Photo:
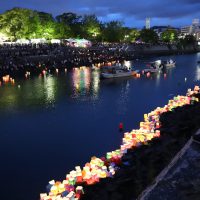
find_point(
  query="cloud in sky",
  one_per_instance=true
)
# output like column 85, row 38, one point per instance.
column 132, row 12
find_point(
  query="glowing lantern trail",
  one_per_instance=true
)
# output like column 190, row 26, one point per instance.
column 98, row 168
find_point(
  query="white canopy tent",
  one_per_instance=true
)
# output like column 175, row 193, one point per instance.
column 23, row 41
column 38, row 40
column 79, row 42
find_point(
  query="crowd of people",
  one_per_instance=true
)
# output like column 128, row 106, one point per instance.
column 17, row 59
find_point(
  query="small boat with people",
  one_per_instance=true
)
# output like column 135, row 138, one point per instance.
column 169, row 63
column 117, row 72
column 155, row 67
column 159, row 66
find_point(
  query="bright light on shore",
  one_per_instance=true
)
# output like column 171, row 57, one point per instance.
column 3, row 37
column 127, row 63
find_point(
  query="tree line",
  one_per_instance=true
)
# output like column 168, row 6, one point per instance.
column 19, row 23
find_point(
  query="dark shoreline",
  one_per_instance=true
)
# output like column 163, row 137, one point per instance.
column 165, row 53
column 180, row 179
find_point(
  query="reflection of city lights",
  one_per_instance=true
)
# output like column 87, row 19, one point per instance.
column 87, row 78
column 9, row 97
column 76, row 78
column 158, row 79
column 82, row 82
column 95, row 83
column 123, row 98
column 50, row 89
column 37, row 91
column 77, row 87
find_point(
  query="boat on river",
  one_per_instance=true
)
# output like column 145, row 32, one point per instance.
column 159, row 66
column 155, row 67
column 117, row 72
column 169, row 63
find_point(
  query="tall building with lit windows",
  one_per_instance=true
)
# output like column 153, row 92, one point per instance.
column 193, row 29
column 195, row 22
column 147, row 23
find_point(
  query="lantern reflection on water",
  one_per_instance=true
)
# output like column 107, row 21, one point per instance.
column 81, row 79
column 50, row 90
column 99, row 168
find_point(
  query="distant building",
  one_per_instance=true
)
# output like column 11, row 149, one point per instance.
column 197, row 36
column 195, row 22
column 186, row 30
column 147, row 23
column 193, row 29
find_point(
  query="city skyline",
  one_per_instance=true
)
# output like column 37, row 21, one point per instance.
column 132, row 13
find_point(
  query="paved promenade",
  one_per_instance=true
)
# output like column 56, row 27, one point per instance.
column 180, row 180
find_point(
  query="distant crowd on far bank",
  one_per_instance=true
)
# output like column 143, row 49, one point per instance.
column 37, row 57
column 17, row 59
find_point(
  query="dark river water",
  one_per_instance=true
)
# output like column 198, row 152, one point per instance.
column 51, row 124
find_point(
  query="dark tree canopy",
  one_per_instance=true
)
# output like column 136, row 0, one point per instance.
column 69, row 18
column 149, row 36
column 113, row 31
column 91, row 27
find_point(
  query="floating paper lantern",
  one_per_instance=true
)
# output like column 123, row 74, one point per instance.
column 71, row 196
column 108, row 155
column 79, row 192
column 61, row 188
column 43, row 196
column 157, row 125
column 72, row 181
column 54, row 190
column 64, row 194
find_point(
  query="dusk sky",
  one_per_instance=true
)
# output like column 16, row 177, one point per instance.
column 133, row 13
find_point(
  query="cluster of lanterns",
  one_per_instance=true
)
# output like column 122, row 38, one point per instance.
column 7, row 79
column 193, row 92
column 98, row 168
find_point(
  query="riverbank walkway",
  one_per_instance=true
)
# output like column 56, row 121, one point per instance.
column 180, row 180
